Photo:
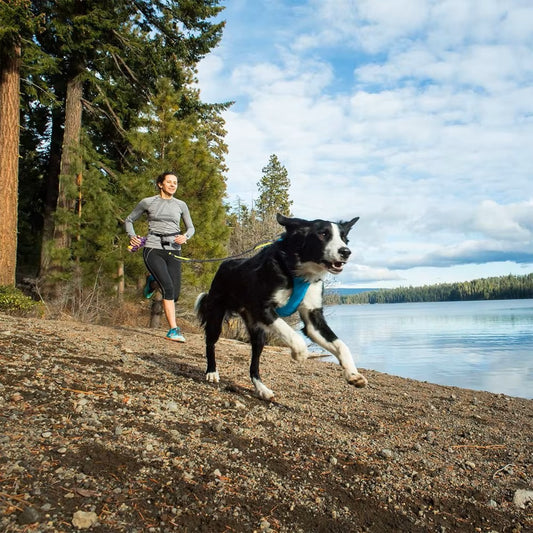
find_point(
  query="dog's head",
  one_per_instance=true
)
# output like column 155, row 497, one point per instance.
column 319, row 246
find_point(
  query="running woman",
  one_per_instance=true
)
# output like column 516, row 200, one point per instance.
column 163, row 243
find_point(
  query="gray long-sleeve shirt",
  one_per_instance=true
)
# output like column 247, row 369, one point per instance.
column 164, row 216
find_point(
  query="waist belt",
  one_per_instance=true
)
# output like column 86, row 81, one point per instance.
column 163, row 235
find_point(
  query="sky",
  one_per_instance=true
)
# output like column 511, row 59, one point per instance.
column 415, row 115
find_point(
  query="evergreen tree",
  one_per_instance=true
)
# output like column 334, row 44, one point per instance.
column 104, row 62
column 252, row 226
column 184, row 144
column 273, row 190
column 16, row 22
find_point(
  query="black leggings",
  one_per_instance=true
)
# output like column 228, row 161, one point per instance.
column 166, row 270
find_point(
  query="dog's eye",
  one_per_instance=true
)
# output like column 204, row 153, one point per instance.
column 324, row 234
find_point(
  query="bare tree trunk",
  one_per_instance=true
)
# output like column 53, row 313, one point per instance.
column 70, row 158
column 120, row 280
column 9, row 156
column 53, row 264
column 51, row 188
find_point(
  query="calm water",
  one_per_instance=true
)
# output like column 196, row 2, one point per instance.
column 482, row 345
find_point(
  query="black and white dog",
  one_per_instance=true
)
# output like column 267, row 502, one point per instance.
column 285, row 277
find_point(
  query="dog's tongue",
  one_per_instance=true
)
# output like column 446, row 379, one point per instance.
column 338, row 265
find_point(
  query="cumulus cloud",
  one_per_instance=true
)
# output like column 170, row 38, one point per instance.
column 414, row 115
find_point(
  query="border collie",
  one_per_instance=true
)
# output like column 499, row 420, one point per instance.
column 284, row 277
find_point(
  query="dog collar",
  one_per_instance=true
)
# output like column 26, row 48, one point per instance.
column 299, row 289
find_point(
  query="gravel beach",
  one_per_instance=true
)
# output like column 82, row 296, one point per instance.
column 115, row 429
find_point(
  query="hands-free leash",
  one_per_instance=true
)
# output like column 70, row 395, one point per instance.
column 256, row 247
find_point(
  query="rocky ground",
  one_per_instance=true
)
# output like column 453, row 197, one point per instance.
column 114, row 429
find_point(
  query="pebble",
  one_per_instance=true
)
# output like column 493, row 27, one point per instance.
column 430, row 437
column 29, row 515
column 84, row 519
column 265, row 525
column 172, row 406
column 522, row 497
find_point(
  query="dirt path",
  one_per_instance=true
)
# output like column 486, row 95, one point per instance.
column 115, row 429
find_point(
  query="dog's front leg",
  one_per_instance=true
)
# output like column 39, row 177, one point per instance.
column 316, row 328
column 291, row 338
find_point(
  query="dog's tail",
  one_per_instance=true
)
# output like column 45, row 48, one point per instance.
column 200, row 307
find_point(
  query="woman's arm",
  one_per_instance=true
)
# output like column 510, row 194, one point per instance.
column 132, row 217
column 186, row 217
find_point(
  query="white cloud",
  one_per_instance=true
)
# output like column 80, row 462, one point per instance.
column 429, row 141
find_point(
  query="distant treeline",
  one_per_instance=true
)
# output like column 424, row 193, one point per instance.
column 496, row 288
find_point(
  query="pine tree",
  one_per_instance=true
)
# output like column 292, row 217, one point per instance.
column 184, row 145
column 252, row 226
column 273, row 190
column 16, row 24
column 104, row 62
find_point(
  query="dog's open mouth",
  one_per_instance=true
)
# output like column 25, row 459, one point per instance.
column 335, row 267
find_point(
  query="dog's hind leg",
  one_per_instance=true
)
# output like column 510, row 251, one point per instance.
column 213, row 328
column 257, row 340
column 316, row 328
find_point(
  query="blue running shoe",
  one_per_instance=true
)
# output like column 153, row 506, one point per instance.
column 148, row 291
column 174, row 334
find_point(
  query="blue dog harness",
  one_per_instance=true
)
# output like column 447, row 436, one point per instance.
column 299, row 290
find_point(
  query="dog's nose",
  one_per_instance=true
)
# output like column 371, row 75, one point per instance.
column 345, row 252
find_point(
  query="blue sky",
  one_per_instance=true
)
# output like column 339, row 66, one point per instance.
column 416, row 115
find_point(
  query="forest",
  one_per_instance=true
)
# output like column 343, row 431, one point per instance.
column 97, row 98
column 494, row 288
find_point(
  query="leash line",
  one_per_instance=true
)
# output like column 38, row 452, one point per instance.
column 256, row 247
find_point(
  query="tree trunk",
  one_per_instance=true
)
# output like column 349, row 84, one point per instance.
column 70, row 159
column 120, row 280
column 56, row 252
column 9, row 150
column 51, row 189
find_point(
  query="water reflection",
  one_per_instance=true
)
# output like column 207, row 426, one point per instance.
column 485, row 345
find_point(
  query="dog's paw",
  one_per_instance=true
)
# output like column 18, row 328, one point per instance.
column 299, row 355
column 357, row 380
column 262, row 391
column 212, row 377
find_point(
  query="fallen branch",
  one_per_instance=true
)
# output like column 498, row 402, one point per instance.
column 501, row 469
column 84, row 392
column 489, row 447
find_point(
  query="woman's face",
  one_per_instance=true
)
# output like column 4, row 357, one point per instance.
column 168, row 186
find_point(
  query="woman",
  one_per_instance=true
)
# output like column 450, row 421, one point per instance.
column 163, row 243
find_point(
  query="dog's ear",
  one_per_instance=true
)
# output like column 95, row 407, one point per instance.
column 292, row 223
column 347, row 226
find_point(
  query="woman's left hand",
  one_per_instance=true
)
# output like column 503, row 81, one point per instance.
column 180, row 239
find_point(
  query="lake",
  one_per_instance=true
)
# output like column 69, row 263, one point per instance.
column 481, row 345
